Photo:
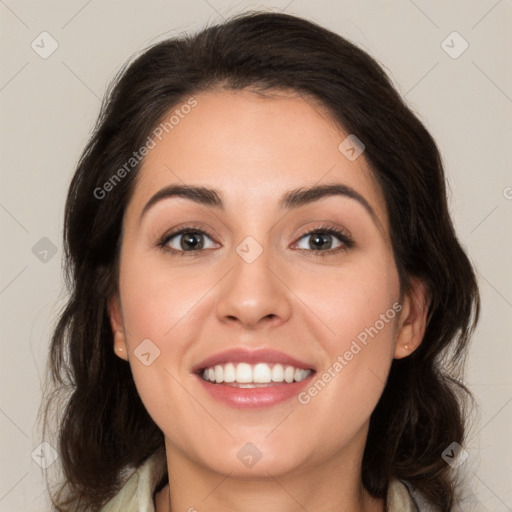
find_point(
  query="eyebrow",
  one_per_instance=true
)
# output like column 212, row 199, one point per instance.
column 290, row 200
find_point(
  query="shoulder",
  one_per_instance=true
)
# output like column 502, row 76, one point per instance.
column 465, row 499
column 137, row 493
column 402, row 497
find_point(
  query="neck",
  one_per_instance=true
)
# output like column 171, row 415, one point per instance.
column 334, row 485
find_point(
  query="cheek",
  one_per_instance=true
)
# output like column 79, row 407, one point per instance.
column 158, row 309
column 360, row 308
column 157, row 301
column 352, row 298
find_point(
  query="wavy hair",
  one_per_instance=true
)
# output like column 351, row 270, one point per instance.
column 103, row 427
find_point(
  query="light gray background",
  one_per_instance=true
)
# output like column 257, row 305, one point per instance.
column 49, row 106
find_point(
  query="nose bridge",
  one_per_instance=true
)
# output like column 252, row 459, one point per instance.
column 251, row 291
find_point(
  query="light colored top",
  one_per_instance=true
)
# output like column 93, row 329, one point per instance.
column 137, row 494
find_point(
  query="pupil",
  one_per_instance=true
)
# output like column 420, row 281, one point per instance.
column 318, row 240
column 190, row 240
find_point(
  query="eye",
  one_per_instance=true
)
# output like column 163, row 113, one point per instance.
column 188, row 240
column 321, row 241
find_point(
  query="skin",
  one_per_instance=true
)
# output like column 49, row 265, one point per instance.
column 254, row 148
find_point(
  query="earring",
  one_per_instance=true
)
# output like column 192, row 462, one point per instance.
column 406, row 347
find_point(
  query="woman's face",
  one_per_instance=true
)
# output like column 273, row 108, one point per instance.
column 256, row 280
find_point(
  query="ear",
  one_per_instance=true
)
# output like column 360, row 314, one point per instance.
column 413, row 319
column 116, row 322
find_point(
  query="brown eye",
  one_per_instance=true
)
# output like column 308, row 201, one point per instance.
column 321, row 241
column 186, row 240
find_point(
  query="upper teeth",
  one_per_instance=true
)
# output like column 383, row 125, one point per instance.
column 258, row 373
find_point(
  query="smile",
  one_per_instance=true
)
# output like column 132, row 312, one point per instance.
column 247, row 375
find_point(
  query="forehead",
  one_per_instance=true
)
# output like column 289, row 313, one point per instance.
column 253, row 148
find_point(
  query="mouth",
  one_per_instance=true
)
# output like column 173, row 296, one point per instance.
column 243, row 379
column 245, row 375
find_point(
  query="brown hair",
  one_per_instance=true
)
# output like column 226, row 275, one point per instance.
column 105, row 427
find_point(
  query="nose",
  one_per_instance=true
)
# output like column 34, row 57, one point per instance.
column 254, row 294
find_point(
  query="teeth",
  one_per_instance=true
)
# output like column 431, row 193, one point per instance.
column 261, row 373
column 289, row 373
column 278, row 373
column 229, row 372
column 243, row 373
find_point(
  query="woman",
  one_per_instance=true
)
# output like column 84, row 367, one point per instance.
column 265, row 283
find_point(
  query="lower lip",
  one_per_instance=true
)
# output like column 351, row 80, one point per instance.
column 250, row 398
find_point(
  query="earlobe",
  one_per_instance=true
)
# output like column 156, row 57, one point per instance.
column 120, row 347
column 413, row 319
column 116, row 323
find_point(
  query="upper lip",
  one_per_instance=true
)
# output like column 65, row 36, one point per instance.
column 244, row 355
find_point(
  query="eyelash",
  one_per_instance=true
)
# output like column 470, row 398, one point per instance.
column 344, row 237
